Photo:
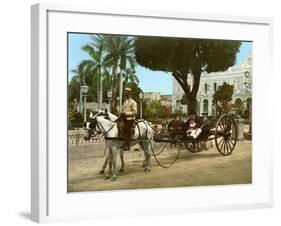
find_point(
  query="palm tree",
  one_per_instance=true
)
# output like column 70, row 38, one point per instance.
column 119, row 55
column 81, row 77
column 96, row 52
column 129, row 76
column 113, row 54
column 80, row 73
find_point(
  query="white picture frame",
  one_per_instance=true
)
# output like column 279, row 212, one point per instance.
column 50, row 201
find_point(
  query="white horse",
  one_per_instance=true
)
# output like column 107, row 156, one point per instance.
column 113, row 118
column 104, row 123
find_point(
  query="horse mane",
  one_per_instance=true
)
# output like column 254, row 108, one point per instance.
column 112, row 116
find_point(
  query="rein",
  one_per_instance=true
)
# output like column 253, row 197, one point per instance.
column 118, row 138
column 100, row 125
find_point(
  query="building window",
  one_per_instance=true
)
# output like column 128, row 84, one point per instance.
column 206, row 88
column 215, row 87
column 205, row 105
column 239, row 83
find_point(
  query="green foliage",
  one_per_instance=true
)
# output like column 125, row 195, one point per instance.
column 238, row 107
column 223, row 93
column 136, row 90
column 222, row 97
column 73, row 90
column 84, row 75
column 248, row 110
column 155, row 112
column 183, row 57
column 178, row 114
column 110, row 57
column 75, row 119
column 113, row 53
column 119, row 57
column 95, row 66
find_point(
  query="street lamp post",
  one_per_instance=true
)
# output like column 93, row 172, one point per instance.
column 141, row 99
column 109, row 96
column 84, row 89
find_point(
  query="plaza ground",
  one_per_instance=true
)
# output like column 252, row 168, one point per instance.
column 207, row 167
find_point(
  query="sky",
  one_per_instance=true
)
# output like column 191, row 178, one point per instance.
column 149, row 81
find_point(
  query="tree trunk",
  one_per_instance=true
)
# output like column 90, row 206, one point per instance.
column 190, row 95
column 100, row 89
column 98, row 93
column 120, row 91
column 114, row 94
column 192, row 106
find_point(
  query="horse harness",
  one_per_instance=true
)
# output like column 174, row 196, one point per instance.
column 99, row 125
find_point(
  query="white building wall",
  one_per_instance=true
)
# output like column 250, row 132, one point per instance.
column 234, row 76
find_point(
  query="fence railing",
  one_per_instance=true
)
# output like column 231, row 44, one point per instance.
column 77, row 137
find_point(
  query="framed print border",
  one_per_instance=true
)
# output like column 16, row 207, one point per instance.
column 40, row 99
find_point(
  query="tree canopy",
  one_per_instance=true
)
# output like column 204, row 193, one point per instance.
column 186, row 57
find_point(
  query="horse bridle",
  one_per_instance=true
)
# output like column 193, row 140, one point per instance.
column 100, row 127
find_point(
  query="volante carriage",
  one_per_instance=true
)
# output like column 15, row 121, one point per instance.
column 223, row 131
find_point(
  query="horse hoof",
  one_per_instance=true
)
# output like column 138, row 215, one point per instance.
column 107, row 177
column 101, row 172
column 121, row 170
column 147, row 170
column 114, row 178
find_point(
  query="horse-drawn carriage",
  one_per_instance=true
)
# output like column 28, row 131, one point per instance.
column 222, row 130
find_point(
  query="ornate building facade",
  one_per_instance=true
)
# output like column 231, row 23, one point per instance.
column 239, row 77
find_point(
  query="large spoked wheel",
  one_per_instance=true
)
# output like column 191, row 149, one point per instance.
column 226, row 135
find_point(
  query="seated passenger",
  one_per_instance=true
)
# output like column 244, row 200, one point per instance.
column 199, row 127
column 193, row 131
column 206, row 123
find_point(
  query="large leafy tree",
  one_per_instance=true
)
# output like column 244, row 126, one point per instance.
column 185, row 58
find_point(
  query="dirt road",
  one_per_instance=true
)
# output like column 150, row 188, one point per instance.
column 202, row 168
